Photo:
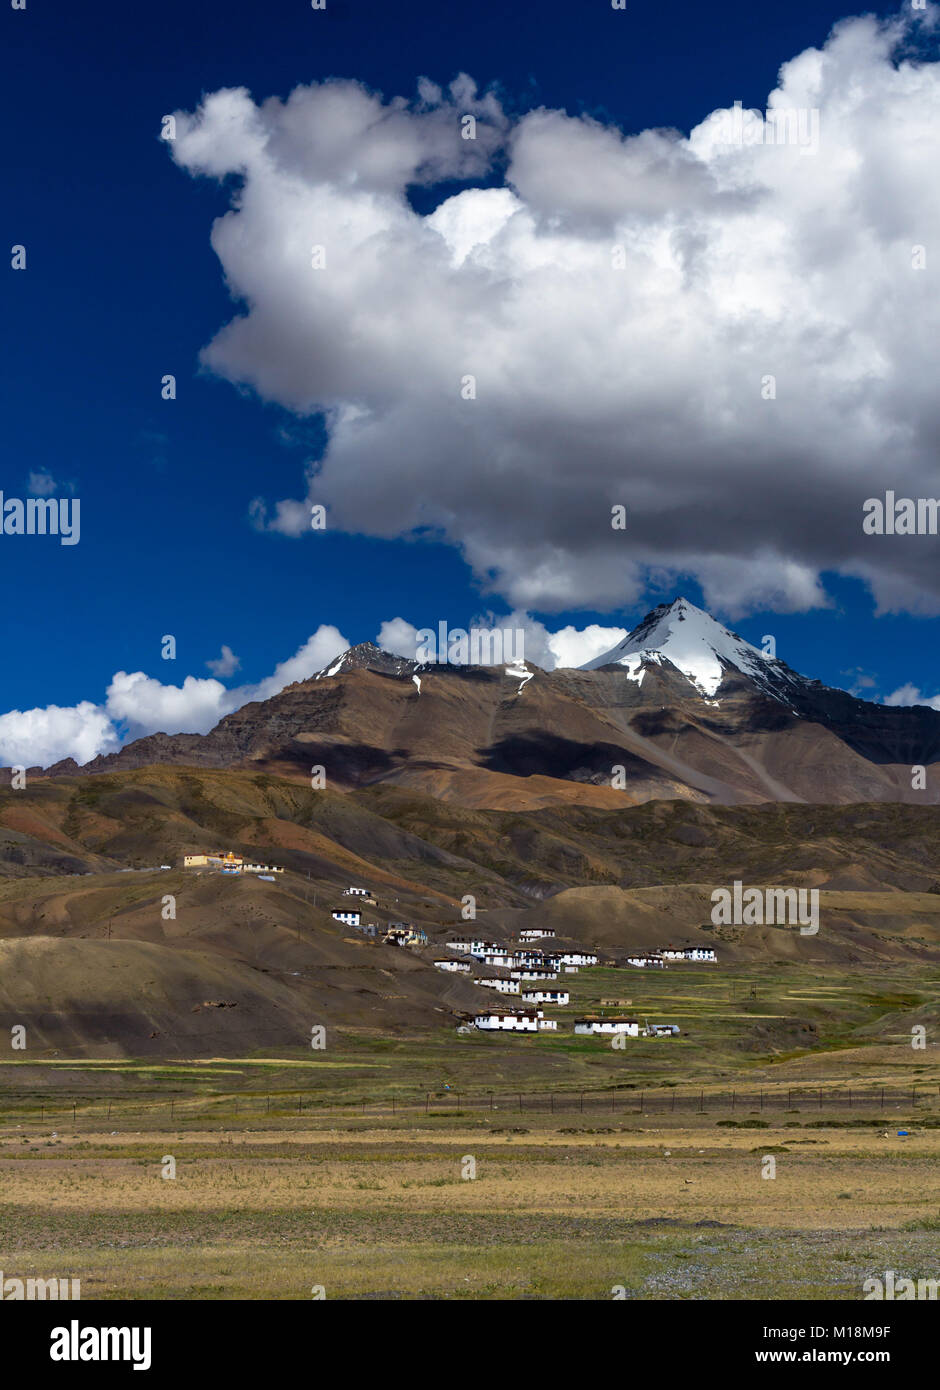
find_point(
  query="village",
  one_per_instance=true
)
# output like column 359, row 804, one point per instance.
column 523, row 970
column 520, row 969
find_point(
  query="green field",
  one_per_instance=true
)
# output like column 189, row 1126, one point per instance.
column 772, row 1026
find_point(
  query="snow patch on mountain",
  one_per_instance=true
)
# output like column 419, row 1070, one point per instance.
column 519, row 671
column 634, row 666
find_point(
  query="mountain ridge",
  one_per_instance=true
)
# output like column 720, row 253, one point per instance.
column 681, row 708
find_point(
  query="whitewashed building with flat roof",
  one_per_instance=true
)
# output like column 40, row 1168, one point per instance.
column 502, row 958
column 540, row 995
column 643, row 961
column 629, row 1026
column 501, row 985
column 498, row 1022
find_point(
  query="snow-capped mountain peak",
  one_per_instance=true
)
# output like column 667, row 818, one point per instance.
column 698, row 646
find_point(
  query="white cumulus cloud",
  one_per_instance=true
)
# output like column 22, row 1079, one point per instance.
column 399, row 637
column 145, row 705
column 730, row 340
column 569, row 646
column 910, row 695
column 316, row 653
column 137, row 704
column 40, row 737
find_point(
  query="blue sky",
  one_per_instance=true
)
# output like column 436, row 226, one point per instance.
column 123, row 286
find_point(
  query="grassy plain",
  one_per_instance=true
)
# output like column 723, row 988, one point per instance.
column 293, row 1172
column 554, row 1209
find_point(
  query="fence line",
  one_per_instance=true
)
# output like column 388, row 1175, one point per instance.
column 619, row 1101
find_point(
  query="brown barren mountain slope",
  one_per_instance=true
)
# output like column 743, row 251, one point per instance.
column 485, row 738
column 242, row 964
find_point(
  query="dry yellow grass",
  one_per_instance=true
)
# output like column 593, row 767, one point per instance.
column 668, row 1211
column 840, row 1180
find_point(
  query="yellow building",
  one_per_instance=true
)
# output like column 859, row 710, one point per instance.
column 231, row 863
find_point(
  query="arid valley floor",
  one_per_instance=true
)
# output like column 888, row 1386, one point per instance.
column 477, row 1167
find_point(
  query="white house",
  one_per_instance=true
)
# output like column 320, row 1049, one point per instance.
column 699, row 953
column 518, row 1022
column 643, row 961
column 540, row 995
column 662, row 1030
column 501, row 986
column 355, row 893
column 452, row 965
column 350, row 915
column 630, row 1026
column 578, row 958
column 503, row 958
column 535, row 934
column 464, row 946
column 480, row 948
column 533, row 972
column 548, row 1024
